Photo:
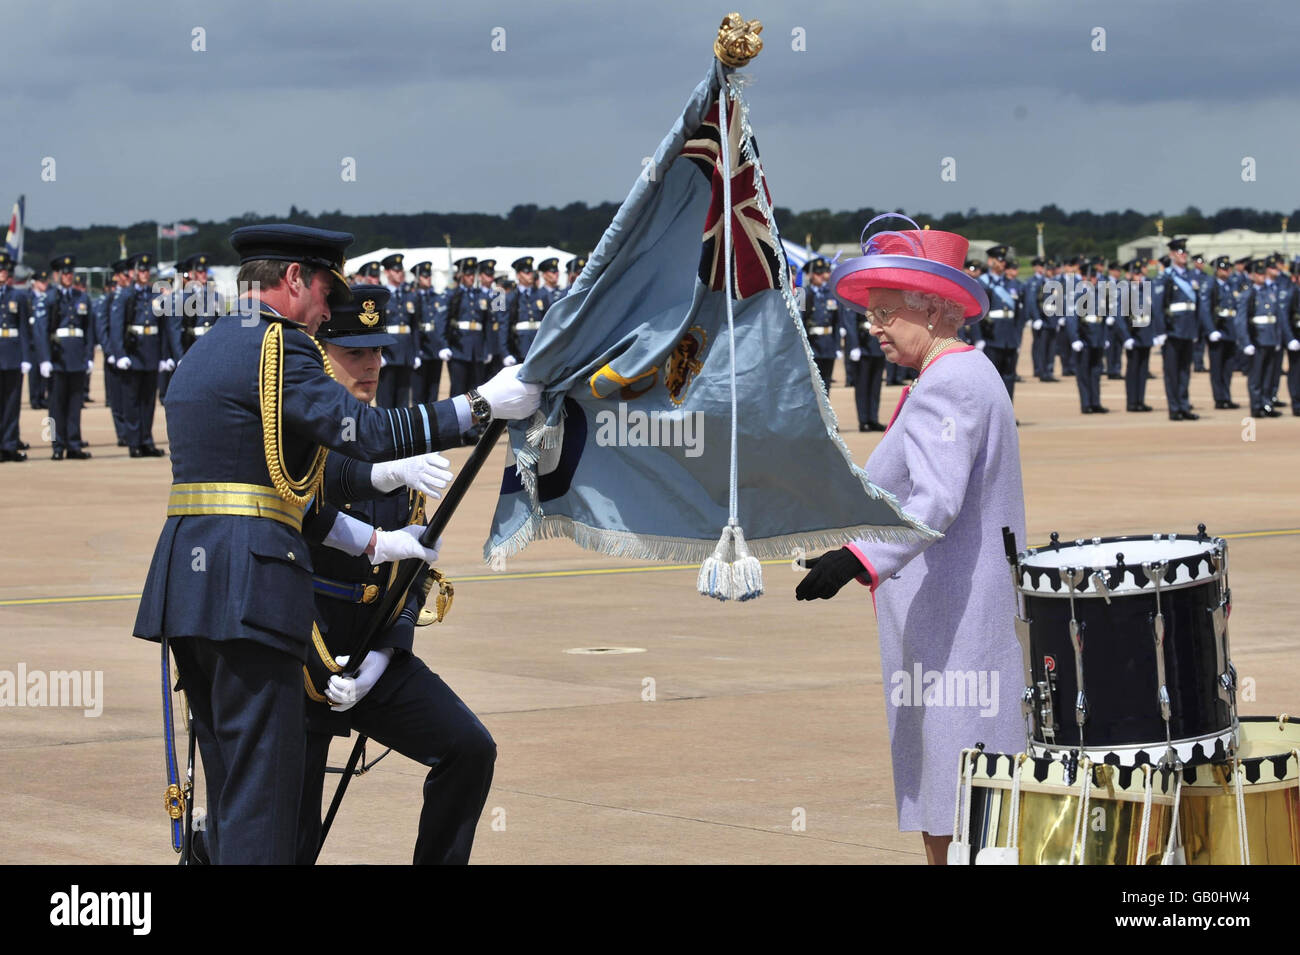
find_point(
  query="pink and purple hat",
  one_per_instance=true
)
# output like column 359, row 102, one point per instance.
column 913, row 260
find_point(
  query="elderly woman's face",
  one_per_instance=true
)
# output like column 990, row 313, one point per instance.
column 902, row 335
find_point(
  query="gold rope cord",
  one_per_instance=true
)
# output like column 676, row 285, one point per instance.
column 296, row 492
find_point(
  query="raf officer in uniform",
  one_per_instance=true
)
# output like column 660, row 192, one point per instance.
column 525, row 306
column 1003, row 327
column 1086, row 330
column 549, row 270
column 402, row 322
column 1286, row 294
column 13, row 361
column 463, row 329
column 821, row 318
column 38, row 386
column 1263, row 338
column 1181, row 315
column 491, row 306
column 112, row 376
column 1138, row 333
column 135, row 334
column 196, row 305
column 426, row 382
column 65, row 342
column 1223, row 333
column 395, row 698
column 1114, row 281
column 230, row 587
column 869, row 366
column 1291, row 335
column 369, row 274
column 1043, row 326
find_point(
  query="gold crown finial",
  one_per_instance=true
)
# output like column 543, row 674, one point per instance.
column 738, row 41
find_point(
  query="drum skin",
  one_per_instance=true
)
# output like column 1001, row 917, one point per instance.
column 1119, row 669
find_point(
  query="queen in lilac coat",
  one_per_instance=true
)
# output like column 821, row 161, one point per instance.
column 951, row 664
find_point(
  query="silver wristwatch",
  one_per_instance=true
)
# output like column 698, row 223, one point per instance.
column 479, row 408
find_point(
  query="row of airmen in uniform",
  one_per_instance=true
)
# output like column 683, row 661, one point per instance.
column 1091, row 314
column 49, row 331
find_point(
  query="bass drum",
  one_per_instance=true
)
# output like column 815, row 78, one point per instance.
column 1267, row 766
column 1151, row 616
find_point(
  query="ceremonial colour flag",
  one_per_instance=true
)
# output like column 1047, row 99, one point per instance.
column 634, row 456
column 14, row 237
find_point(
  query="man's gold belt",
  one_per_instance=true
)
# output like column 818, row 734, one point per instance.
column 240, row 500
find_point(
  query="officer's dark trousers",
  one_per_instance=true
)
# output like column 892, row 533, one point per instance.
column 1177, row 354
column 869, row 376
column 164, row 379
column 38, row 388
column 248, row 706
column 1087, row 375
column 139, row 398
column 414, row 712
column 1267, row 358
column 464, row 375
column 1293, row 379
column 427, row 380
column 1044, row 340
column 113, row 398
column 1114, row 355
column 1004, row 360
column 1135, row 375
column 66, row 398
column 394, row 389
column 850, row 371
column 1065, row 352
column 1276, row 380
column 826, row 367
column 1222, row 353
column 11, row 400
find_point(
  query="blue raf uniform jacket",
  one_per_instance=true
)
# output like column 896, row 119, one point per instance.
column 403, row 317
column 433, row 306
column 1261, row 318
column 821, row 320
column 101, row 308
column 466, row 323
column 65, row 334
column 524, row 310
column 194, row 311
column 1182, row 307
column 1003, row 325
column 136, row 329
column 14, row 330
column 36, row 305
column 232, row 561
column 1223, row 306
column 857, row 334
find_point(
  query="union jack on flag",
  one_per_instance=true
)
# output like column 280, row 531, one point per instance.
column 756, row 263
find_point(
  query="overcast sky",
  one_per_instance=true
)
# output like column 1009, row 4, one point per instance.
column 141, row 127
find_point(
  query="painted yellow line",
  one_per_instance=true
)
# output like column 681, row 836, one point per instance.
column 540, row 574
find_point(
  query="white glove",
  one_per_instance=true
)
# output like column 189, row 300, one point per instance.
column 90, row 366
column 488, row 360
column 855, row 354
column 1076, row 345
column 403, row 544
column 108, row 360
column 444, row 355
column 509, row 397
column 1128, row 344
column 1293, row 345
column 1038, row 325
column 123, row 364
column 1215, row 336
column 46, row 368
column 417, row 362
column 839, row 354
column 347, row 691
column 1249, row 349
column 509, row 360
column 980, row 344
column 1158, row 341
column 171, row 364
column 1110, row 320
column 426, row 473
column 25, row 367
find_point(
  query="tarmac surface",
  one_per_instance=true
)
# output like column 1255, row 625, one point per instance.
column 739, row 733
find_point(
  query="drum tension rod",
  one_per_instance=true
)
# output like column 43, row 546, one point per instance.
column 1073, row 576
column 1155, row 571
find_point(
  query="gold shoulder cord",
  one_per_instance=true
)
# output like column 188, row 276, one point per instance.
column 299, row 492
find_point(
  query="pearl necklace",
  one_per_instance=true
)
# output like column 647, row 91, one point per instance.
column 936, row 348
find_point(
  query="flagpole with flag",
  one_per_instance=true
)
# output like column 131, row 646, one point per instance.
column 681, row 338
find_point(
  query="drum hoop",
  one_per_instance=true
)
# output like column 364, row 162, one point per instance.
column 1210, row 546
column 1152, row 747
column 1091, row 593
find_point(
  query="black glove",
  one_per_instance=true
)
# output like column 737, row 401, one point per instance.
column 828, row 573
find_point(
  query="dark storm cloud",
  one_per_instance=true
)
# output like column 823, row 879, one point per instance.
column 142, row 127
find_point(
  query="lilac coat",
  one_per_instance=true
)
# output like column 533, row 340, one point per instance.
column 953, row 670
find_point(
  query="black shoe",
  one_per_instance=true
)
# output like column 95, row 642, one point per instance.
column 121, row 442
column 57, row 455
column 1256, row 413
column 1019, row 379
column 137, row 452
column 1115, row 377
column 1191, row 416
column 1145, row 408
column 1220, row 406
column 1050, row 378
column 1271, row 412
column 151, row 452
column 1231, row 404
column 77, row 454
column 12, row 456
column 875, row 426
column 1131, row 408
column 24, row 446
column 1088, row 410
column 1098, row 409
column 1176, row 416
